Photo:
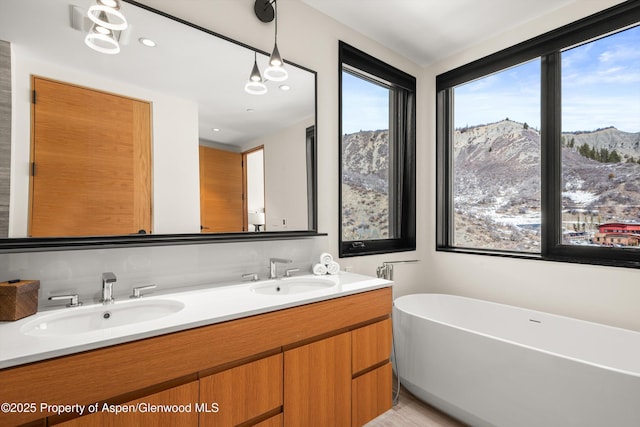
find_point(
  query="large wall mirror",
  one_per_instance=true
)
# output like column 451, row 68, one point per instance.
column 189, row 105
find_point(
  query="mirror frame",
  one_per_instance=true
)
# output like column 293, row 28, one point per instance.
column 40, row 244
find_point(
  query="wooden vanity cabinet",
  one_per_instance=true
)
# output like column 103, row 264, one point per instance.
column 322, row 364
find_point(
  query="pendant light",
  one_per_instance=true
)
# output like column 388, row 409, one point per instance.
column 107, row 19
column 255, row 85
column 276, row 71
column 106, row 13
column 102, row 39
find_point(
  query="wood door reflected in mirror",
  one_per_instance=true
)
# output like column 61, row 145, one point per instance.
column 221, row 191
column 90, row 166
column 193, row 97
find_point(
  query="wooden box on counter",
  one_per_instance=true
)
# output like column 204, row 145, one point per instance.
column 18, row 299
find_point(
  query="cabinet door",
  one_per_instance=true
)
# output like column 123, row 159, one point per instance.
column 242, row 393
column 181, row 412
column 371, row 394
column 317, row 383
column 371, row 345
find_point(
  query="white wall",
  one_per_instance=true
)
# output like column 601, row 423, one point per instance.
column 255, row 181
column 174, row 151
column 285, row 163
column 601, row 294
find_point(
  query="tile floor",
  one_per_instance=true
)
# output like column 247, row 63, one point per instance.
column 411, row 412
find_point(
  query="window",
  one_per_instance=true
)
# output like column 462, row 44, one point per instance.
column 601, row 139
column 496, row 168
column 539, row 146
column 377, row 156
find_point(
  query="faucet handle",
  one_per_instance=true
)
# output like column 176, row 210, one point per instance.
column 73, row 299
column 108, row 277
column 137, row 291
column 253, row 276
column 281, row 260
column 287, row 272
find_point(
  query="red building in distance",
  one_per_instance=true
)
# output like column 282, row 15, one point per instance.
column 618, row 234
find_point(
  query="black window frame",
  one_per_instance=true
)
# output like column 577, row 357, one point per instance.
column 403, row 195
column 548, row 48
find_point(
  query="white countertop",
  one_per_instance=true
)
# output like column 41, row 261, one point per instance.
column 201, row 307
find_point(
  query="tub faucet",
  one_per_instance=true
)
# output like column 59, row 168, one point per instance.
column 108, row 279
column 273, row 262
column 385, row 271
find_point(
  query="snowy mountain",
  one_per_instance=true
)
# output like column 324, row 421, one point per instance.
column 497, row 183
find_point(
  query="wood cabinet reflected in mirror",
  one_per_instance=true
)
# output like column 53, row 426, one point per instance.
column 190, row 94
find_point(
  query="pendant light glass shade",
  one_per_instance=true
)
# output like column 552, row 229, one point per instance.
column 102, row 39
column 103, row 43
column 255, row 86
column 276, row 71
column 116, row 20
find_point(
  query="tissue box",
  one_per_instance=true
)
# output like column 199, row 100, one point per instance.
column 18, row 299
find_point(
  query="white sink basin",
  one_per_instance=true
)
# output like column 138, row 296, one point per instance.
column 99, row 317
column 292, row 286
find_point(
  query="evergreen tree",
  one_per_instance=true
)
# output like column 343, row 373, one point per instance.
column 584, row 150
column 614, row 157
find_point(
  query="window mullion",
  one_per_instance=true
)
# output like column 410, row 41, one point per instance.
column 550, row 145
column 444, row 169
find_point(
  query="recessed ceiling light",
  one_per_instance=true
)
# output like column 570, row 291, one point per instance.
column 284, row 87
column 215, row 130
column 147, row 42
column 250, row 110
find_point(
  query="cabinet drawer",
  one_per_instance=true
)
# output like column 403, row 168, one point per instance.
column 242, row 393
column 370, row 395
column 370, row 345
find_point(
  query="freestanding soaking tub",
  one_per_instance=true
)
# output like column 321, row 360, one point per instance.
column 490, row 364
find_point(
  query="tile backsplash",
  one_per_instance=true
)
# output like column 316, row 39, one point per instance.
column 168, row 267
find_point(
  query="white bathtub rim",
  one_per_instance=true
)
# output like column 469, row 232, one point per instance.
column 552, row 353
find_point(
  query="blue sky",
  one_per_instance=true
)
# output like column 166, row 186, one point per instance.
column 365, row 105
column 600, row 88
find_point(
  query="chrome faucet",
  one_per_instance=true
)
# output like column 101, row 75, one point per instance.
column 273, row 262
column 73, row 299
column 108, row 279
column 385, row 271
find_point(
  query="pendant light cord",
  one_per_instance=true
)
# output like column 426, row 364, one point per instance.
column 275, row 9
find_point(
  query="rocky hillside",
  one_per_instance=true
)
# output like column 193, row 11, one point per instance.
column 365, row 199
column 497, row 184
column 497, row 181
column 625, row 143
